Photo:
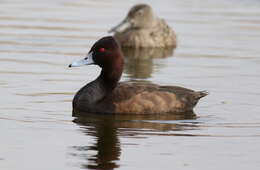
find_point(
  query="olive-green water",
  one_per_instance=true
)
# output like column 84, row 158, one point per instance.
column 218, row 50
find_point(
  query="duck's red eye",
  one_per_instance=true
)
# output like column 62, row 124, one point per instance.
column 101, row 50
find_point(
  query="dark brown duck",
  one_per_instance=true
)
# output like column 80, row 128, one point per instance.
column 106, row 95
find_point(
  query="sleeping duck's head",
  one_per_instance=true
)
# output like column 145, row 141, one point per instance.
column 139, row 17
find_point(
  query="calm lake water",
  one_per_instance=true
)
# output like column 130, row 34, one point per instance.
column 218, row 51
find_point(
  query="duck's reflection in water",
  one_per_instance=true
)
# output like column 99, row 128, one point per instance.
column 139, row 62
column 106, row 147
column 106, row 130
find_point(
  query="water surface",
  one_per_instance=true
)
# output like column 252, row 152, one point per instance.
column 218, row 50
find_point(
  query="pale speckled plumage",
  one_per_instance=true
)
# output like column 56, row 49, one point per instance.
column 145, row 30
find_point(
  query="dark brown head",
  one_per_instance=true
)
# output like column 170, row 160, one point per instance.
column 140, row 16
column 105, row 53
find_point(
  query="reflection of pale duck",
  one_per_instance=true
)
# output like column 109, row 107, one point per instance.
column 139, row 62
column 147, row 53
column 141, row 28
column 106, row 95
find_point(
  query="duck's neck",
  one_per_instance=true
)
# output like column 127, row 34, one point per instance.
column 111, row 74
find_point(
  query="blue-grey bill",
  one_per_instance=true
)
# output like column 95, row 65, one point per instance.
column 86, row 61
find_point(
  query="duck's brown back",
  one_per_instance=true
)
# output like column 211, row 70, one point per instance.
column 143, row 98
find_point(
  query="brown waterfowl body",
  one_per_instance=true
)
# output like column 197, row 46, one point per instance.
column 106, row 95
column 141, row 28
